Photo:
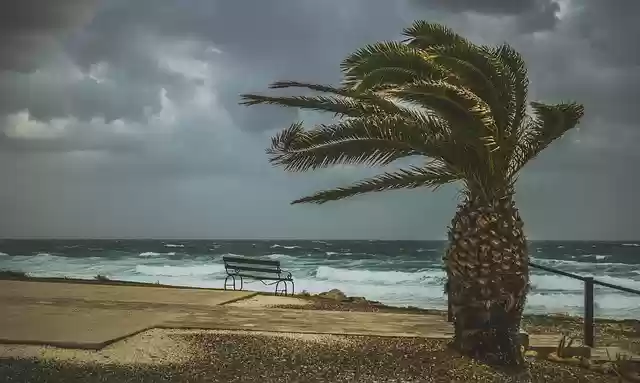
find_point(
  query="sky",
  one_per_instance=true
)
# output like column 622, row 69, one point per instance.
column 120, row 118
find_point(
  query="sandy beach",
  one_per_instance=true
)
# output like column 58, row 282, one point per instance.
column 194, row 335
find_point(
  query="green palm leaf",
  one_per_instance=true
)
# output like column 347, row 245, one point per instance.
column 551, row 122
column 339, row 106
column 372, row 141
column 414, row 177
column 423, row 35
column 388, row 63
column 468, row 113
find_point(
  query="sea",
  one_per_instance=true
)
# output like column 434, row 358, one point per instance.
column 399, row 273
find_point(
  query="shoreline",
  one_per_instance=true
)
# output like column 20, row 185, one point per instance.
column 362, row 303
column 247, row 340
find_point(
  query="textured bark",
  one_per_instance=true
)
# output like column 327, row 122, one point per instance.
column 487, row 267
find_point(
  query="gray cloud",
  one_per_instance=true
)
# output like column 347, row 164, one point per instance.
column 528, row 15
column 132, row 117
column 29, row 29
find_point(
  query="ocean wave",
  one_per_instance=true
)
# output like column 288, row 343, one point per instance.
column 363, row 275
column 631, row 244
column 574, row 303
column 576, row 264
column 421, row 250
column 562, row 283
column 330, row 253
column 154, row 254
column 552, row 283
column 3, row 254
column 276, row 246
column 172, row 245
column 598, row 257
column 180, row 271
column 280, row 257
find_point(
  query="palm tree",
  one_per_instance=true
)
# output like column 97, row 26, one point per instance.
column 463, row 108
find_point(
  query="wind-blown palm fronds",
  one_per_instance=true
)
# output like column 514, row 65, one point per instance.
column 436, row 95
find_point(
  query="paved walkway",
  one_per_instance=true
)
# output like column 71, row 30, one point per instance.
column 92, row 316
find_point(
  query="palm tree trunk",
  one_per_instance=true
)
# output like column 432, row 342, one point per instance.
column 488, row 279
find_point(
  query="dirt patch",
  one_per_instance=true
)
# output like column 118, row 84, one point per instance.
column 270, row 301
column 149, row 347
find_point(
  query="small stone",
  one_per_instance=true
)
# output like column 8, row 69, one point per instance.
column 334, row 294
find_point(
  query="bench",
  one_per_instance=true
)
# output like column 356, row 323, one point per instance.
column 239, row 268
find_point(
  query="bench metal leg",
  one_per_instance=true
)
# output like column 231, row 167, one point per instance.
column 230, row 283
column 281, row 290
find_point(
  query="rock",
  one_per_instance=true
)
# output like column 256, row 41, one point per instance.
column 334, row 294
column 358, row 299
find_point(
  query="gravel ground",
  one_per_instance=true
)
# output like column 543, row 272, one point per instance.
column 622, row 333
column 248, row 357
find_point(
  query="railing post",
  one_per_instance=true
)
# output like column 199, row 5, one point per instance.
column 588, row 312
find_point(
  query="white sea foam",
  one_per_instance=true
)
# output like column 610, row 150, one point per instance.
column 173, row 245
column 281, row 257
column 3, row 254
column 596, row 256
column 285, row 247
column 180, row 271
column 631, row 244
column 149, row 254
column 363, row 275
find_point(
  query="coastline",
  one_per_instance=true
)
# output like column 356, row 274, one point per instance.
column 360, row 303
column 271, row 353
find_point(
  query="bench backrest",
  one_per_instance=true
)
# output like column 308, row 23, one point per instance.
column 240, row 264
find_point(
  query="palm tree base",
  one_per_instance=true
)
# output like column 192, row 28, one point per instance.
column 495, row 341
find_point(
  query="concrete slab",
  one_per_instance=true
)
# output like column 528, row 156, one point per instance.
column 72, row 327
column 91, row 316
column 313, row 322
column 48, row 291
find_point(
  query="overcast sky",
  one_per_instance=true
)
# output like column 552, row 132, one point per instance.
column 119, row 118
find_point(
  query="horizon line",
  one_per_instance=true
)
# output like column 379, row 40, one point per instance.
column 278, row 239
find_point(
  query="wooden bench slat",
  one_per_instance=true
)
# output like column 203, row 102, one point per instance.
column 256, row 269
column 246, row 260
column 261, row 278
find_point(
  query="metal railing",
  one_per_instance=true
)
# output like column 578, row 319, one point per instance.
column 589, row 302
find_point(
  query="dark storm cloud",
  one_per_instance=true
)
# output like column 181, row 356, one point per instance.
column 30, row 28
column 532, row 15
column 134, row 117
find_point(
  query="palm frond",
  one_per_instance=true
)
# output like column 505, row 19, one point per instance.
column 343, row 102
column 477, row 69
column 516, row 72
column 314, row 87
column 414, row 177
column 400, row 62
column 467, row 113
column 550, row 123
column 339, row 106
column 422, row 35
column 372, row 141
